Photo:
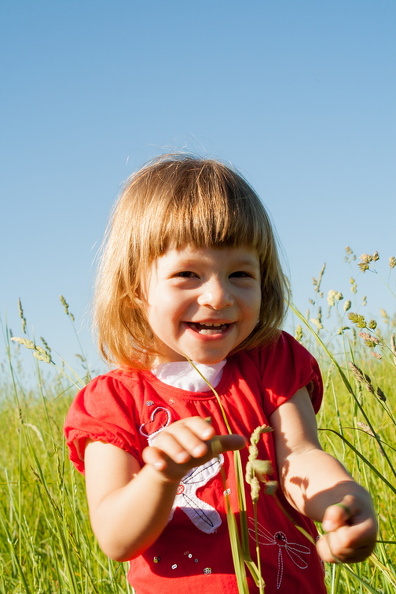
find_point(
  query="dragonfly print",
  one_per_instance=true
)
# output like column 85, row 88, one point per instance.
column 293, row 550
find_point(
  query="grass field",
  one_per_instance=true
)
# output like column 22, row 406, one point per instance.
column 46, row 543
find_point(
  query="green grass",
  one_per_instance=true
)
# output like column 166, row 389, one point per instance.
column 46, row 543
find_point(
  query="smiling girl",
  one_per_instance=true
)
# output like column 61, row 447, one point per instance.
column 190, row 271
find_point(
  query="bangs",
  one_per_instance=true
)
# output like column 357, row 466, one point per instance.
column 203, row 204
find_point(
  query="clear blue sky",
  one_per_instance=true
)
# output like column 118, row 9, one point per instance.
column 299, row 95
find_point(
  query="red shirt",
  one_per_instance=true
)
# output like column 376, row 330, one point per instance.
column 128, row 407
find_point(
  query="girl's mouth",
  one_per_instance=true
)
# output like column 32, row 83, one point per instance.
column 208, row 329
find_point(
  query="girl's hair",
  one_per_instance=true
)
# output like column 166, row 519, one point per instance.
column 174, row 201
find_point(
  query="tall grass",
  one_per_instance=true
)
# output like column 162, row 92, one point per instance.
column 46, row 543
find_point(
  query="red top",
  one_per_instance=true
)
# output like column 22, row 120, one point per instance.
column 128, row 407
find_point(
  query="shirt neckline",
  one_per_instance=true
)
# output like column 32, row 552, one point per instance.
column 168, row 390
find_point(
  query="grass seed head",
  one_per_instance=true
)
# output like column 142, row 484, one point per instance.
column 357, row 319
column 257, row 471
column 347, row 305
column 381, row 395
column 26, row 342
column 22, row 316
column 299, row 334
column 369, row 340
column 66, row 308
column 393, row 346
column 333, row 296
column 353, row 285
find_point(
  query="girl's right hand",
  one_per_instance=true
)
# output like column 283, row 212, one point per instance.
column 186, row 444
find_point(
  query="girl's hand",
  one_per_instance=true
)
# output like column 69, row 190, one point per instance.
column 185, row 444
column 350, row 530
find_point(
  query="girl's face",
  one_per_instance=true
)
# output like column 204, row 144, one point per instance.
column 202, row 302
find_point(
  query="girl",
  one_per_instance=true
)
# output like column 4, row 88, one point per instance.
column 191, row 272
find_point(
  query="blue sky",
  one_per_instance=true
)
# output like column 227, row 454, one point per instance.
column 300, row 96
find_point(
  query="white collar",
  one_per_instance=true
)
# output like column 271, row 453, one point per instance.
column 181, row 374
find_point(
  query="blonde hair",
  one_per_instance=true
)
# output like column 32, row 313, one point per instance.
column 175, row 201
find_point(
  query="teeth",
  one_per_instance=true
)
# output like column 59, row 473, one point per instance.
column 208, row 328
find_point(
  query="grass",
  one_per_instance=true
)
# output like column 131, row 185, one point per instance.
column 46, row 543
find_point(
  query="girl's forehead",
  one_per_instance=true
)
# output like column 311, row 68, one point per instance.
column 214, row 254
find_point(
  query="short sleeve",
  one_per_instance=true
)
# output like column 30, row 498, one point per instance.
column 102, row 411
column 286, row 367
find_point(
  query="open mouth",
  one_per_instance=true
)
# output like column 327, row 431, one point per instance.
column 208, row 329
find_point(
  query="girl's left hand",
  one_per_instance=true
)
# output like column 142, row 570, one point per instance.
column 350, row 530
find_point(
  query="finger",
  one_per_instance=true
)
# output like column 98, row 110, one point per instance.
column 202, row 428
column 339, row 514
column 351, row 531
column 155, row 457
column 331, row 550
column 334, row 548
column 225, row 443
column 181, row 444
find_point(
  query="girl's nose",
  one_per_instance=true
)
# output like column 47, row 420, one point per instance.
column 215, row 295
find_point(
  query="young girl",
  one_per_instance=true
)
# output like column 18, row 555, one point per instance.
column 191, row 272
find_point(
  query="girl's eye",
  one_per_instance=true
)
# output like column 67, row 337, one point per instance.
column 186, row 274
column 240, row 274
